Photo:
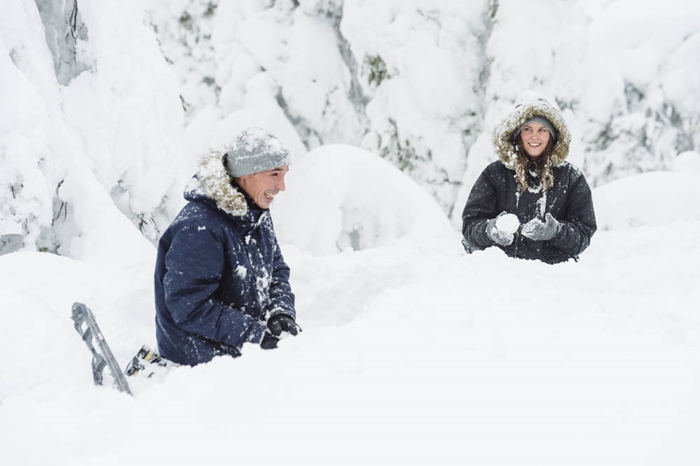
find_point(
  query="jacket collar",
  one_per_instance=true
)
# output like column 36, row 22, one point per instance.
column 213, row 181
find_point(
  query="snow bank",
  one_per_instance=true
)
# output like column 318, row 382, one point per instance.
column 342, row 198
column 654, row 198
column 407, row 356
column 37, row 335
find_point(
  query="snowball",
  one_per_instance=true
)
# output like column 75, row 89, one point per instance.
column 508, row 223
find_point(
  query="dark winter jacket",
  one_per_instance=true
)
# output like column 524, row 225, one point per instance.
column 219, row 273
column 497, row 190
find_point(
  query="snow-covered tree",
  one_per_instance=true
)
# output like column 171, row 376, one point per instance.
column 420, row 82
column 100, row 96
column 91, row 114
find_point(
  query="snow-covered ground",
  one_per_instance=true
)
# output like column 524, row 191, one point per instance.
column 412, row 352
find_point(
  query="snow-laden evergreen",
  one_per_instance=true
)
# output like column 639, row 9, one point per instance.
column 420, row 83
column 101, row 142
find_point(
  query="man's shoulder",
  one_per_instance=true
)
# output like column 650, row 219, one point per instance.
column 196, row 213
column 193, row 210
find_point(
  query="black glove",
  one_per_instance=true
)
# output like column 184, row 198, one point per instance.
column 541, row 231
column 269, row 341
column 282, row 323
column 276, row 326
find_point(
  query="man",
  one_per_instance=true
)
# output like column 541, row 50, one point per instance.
column 220, row 278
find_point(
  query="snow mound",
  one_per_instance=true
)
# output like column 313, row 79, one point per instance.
column 688, row 161
column 354, row 200
column 652, row 198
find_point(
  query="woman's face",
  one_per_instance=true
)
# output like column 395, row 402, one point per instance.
column 535, row 138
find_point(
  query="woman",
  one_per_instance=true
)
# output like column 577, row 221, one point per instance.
column 531, row 181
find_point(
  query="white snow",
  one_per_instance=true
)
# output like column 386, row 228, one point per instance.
column 354, row 200
column 412, row 351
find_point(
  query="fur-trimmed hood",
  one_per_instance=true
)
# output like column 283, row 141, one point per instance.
column 213, row 181
column 503, row 134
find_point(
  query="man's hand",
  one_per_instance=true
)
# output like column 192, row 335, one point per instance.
column 280, row 323
column 269, row 341
column 277, row 327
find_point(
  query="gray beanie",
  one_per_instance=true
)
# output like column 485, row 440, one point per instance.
column 541, row 120
column 254, row 150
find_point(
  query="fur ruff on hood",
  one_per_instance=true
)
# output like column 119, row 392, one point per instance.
column 213, row 181
column 503, row 135
column 503, row 138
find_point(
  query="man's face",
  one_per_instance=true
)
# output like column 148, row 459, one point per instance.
column 264, row 186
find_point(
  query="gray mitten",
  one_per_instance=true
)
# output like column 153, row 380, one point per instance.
column 500, row 237
column 538, row 230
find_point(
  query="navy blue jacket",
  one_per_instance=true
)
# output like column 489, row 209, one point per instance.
column 219, row 273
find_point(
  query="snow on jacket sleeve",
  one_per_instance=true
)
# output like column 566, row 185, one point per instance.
column 579, row 223
column 190, row 286
column 281, row 296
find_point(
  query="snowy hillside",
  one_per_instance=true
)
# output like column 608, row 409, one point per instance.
column 412, row 351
